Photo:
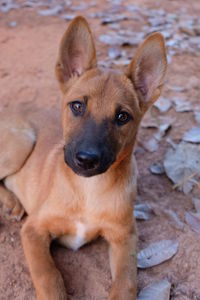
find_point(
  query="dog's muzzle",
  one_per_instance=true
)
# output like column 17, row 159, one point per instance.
column 87, row 160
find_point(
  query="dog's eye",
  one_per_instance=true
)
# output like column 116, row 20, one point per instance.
column 122, row 117
column 77, row 107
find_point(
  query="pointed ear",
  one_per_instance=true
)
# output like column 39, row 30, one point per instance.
column 77, row 51
column 147, row 70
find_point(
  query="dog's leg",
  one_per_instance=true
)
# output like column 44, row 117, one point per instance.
column 46, row 278
column 11, row 205
column 123, row 261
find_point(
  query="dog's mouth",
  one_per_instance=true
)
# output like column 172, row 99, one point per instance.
column 88, row 163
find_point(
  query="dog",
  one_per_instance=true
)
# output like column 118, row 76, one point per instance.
column 73, row 172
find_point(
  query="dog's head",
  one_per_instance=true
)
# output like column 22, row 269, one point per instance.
column 101, row 110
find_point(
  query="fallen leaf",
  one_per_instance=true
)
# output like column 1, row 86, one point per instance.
column 82, row 6
column 192, row 136
column 196, row 203
column 54, row 11
column 157, row 169
column 143, row 212
column 193, row 219
column 182, row 105
column 113, row 19
column 156, row 291
column 174, row 219
column 122, row 62
column 151, row 145
column 162, row 130
column 12, row 24
column 163, row 104
column 177, row 88
column 122, row 40
column 114, row 53
column 188, row 31
column 197, row 116
column 6, row 6
column 157, row 253
column 182, row 164
column 68, row 17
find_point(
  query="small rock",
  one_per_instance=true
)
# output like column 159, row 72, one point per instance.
column 114, row 53
column 157, row 169
column 12, row 24
column 68, row 17
column 51, row 11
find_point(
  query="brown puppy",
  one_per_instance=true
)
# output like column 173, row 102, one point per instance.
column 77, row 180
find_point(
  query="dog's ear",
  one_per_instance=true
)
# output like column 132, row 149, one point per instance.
column 147, row 70
column 77, row 51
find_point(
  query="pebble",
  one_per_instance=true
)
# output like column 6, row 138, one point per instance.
column 51, row 11
column 68, row 17
column 5, row 8
column 114, row 53
column 157, row 169
column 12, row 24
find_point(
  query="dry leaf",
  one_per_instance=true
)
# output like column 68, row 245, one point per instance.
column 196, row 203
column 151, row 145
column 192, row 136
column 197, row 116
column 193, row 219
column 51, row 11
column 174, row 219
column 143, row 212
column 182, row 164
column 182, row 105
column 163, row 104
column 156, row 291
column 114, row 53
column 113, row 19
column 157, row 253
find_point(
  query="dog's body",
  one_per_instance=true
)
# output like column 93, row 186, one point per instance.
column 87, row 189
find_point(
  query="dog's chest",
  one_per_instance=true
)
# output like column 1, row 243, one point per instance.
column 84, row 233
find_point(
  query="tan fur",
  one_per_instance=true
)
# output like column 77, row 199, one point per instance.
column 62, row 205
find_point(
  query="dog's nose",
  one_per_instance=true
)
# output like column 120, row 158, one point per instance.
column 87, row 160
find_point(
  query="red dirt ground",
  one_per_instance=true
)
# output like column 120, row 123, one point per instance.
column 28, row 54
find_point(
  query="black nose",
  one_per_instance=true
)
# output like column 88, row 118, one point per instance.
column 87, row 160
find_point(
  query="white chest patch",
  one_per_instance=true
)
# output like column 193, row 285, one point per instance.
column 74, row 242
column 79, row 239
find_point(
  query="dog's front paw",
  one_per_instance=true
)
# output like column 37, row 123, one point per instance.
column 124, row 291
column 12, row 208
column 50, row 286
